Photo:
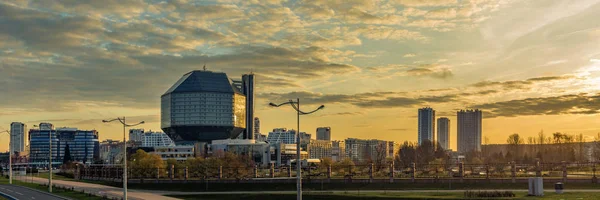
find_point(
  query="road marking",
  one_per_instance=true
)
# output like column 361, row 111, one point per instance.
column 19, row 193
column 32, row 197
column 9, row 190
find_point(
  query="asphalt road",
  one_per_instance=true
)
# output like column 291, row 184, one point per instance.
column 23, row 193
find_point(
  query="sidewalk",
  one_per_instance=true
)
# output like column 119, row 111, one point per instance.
column 100, row 190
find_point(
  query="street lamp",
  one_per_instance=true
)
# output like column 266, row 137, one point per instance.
column 296, row 106
column 125, row 125
column 9, row 156
column 49, row 156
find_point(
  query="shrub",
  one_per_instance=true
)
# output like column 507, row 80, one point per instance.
column 488, row 194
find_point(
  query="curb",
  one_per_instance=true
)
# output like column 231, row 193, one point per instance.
column 47, row 193
column 2, row 194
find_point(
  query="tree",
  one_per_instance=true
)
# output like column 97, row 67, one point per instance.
column 144, row 164
column 515, row 142
column 67, row 157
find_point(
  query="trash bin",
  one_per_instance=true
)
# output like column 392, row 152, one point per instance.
column 559, row 187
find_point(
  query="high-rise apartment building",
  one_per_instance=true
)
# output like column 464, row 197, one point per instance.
column 324, row 133
column 443, row 132
column 19, row 137
column 469, row 125
column 256, row 125
column 426, row 127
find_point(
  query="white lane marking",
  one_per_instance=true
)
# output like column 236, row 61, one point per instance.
column 9, row 190
column 18, row 193
column 32, row 197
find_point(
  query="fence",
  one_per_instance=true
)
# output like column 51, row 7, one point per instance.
column 506, row 172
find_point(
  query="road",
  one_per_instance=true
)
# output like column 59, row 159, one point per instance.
column 23, row 193
column 99, row 190
column 349, row 191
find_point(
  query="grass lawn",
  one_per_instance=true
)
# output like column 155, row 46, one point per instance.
column 353, row 196
column 56, row 191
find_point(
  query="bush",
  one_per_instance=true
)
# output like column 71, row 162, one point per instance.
column 488, row 194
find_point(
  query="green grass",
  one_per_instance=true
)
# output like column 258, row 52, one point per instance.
column 382, row 196
column 57, row 191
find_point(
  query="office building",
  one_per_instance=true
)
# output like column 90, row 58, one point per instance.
column 83, row 145
column 256, row 125
column 156, row 139
column 204, row 106
column 324, row 133
column 136, row 135
column 248, row 90
column 19, row 137
column 319, row 149
column 469, row 124
column 282, row 135
column 426, row 127
column 338, row 150
column 443, row 133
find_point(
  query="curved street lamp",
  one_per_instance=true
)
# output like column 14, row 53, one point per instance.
column 125, row 125
column 296, row 106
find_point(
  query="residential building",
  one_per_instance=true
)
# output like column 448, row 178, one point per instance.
column 282, row 135
column 443, row 133
column 426, row 125
column 324, row 133
column 361, row 151
column 319, row 149
column 19, row 138
column 469, row 124
column 156, row 139
column 136, row 135
column 111, row 151
column 256, row 125
column 257, row 151
column 338, row 150
column 282, row 154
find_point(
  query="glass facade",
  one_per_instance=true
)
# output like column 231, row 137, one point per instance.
column 83, row 146
column 39, row 145
column 203, row 106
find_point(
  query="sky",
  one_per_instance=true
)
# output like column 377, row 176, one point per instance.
column 529, row 65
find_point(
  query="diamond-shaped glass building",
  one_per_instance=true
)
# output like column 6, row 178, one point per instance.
column 205, row 106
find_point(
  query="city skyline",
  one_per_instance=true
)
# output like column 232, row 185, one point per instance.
column 371, row 63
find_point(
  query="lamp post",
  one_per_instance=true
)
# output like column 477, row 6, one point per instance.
column 296, row 106
column 49, row 156
column 10, row 173
column 125, row 125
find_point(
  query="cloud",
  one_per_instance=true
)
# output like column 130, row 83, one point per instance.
column 422, row 3
column 343, row 114
column 410, row 55
column 389, row 33
column 443, row 73
column 444, row 13
column 520, row 84
column 583, row 103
